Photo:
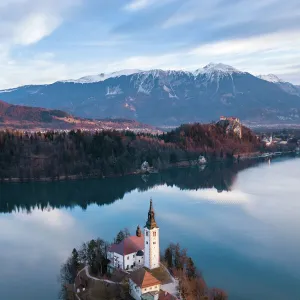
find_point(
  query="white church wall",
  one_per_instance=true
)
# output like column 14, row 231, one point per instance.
column 139, row 260
column 129, row 261
column 147, row 249
column 152, row 257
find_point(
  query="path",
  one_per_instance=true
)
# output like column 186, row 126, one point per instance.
column 86, row 269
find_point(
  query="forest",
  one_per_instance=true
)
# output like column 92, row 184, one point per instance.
column 82, row 154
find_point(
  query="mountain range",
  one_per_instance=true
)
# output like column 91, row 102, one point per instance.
column 35, row 118
column 169, row 97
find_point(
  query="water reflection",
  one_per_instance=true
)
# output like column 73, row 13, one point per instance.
column 32, row 248
column 244, row 238
column 25, row 196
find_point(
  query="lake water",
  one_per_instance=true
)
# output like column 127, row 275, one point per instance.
column 240, row 224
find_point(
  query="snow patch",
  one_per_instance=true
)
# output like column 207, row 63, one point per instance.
column 270, row 77
column 102, row 76
column 219, row 68
column 112, row 91
column 7, row 91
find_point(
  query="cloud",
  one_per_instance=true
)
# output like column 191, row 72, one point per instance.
column 34, row 28
column 104, row 37
column 219, row 13
column 24, row 22
column 136, row 5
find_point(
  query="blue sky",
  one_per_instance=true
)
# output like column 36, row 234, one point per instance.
column 50, row 40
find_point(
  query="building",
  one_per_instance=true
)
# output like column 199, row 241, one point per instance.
column 141, row 250
column 143, row 285
column 129, row 254
column 231, row 119
column 151, row 236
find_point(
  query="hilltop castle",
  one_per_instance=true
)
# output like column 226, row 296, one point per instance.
column 234, row 125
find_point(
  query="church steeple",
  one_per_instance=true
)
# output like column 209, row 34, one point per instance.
column 151, row 223
column 151, row 241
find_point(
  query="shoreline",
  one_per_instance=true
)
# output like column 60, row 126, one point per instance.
column 181, row 164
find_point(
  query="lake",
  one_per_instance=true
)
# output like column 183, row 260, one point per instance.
column 239, row 222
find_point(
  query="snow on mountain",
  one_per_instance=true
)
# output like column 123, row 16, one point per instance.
column 209, row 71
column 102, row 76
column 270, row 77
column 219, row 68
column 286, row 86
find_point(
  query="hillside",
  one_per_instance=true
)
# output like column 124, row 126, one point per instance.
column 34, row 118
column 161, row 97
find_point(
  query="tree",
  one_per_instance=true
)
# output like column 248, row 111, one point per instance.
column 120, row 237
column 123, row 234
column 75, row 259
column 168, row 257
column 190, row 268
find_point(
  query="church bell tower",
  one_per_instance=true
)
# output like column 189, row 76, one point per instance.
column 151, row 240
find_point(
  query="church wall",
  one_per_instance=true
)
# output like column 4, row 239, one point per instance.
column 129, row 260
column 152, row 258
column 139, row 260
column 147, row 250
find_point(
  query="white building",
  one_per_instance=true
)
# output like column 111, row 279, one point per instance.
column 151, row 236
column 137, row 251
column 143, row 285
column 202, row 160
column 129, row 254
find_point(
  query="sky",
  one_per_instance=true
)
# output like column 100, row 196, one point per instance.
column 50, row 40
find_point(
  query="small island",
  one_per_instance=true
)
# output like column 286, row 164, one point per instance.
column 133, row 268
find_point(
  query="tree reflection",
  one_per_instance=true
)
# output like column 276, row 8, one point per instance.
column 45, row 195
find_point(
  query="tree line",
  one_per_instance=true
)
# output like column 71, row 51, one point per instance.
column 56, row 155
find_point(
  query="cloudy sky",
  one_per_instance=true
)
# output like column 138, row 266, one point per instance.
column 49, row 40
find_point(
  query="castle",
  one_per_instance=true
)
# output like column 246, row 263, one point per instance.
column 235, row 125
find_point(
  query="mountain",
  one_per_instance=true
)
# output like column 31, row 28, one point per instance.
column 286, row 86
column 169, row 97
column 34, row 118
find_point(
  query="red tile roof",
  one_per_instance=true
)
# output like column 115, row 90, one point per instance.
column 143, row 278
column 129, row 245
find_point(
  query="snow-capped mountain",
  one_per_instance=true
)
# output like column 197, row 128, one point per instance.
column 167, row 96
column 286, row 86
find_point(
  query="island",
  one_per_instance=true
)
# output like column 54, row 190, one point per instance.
column 132, row 267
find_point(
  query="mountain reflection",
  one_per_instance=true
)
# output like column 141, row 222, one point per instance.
column 26, row 196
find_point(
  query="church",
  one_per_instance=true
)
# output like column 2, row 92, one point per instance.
column 137, row 256
column 140, row 250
